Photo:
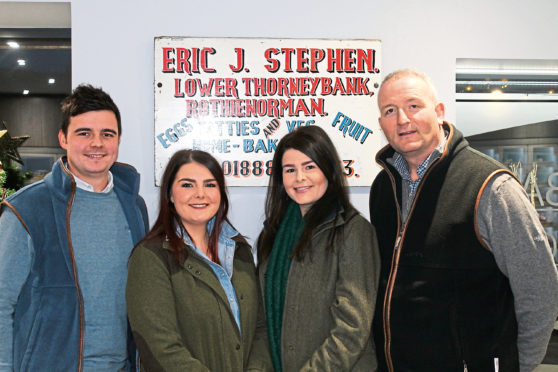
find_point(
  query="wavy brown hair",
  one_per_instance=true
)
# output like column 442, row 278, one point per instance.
column 168, row 224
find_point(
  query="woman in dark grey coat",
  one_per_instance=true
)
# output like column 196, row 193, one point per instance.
column 319, row 262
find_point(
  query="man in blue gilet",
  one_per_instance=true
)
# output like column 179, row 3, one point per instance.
column 65, row 247
column 467, row 279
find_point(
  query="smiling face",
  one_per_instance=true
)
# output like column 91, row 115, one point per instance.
column 410, row 117
column 91, row 144
column 304, row 182
column 195, row 194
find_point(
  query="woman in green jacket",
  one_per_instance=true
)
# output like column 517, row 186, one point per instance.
column 319, row 261
column 192, row 294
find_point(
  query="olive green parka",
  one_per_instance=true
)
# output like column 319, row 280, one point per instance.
column 180, row 316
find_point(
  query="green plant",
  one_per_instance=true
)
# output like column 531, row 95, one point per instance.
column 4, row 191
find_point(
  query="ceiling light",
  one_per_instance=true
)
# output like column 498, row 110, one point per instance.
column 21, row 62
column 508, row 83
column 25, row 92
column 51, row 81
column 13, row 44
column 551, row 92
column 506, row 71
column 496, row 91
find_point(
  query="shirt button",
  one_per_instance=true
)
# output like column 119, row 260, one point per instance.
column 190, row 266
column 291, row 347
column 222, row 275
column 237, row 346
column 198, row 272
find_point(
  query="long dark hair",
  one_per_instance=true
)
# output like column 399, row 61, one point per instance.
column 314, row 143
column 168, row 221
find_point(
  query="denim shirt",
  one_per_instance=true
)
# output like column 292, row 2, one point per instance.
column 224, row 271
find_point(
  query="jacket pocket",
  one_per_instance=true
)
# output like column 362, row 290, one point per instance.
column 54, row 337
column 31, row 339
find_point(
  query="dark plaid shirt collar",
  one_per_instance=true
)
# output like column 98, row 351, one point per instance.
column 400, row 164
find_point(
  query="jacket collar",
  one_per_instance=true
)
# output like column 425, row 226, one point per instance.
column 227, row 230
column 61, row 181
column 331, row 222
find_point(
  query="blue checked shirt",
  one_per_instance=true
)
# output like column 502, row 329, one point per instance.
column 409, row 187
column 224, row 271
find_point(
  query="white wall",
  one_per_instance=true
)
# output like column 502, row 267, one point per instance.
column 112, row 46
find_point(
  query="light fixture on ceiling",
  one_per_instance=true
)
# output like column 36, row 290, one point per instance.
column 21, row 62
column 13, row 44
column 506, row 71
column 51, row 81
column 25, row 92
column 508, row 83
column 496, row 91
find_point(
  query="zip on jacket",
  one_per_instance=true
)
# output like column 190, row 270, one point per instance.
column 401, row 230
column 74, row 267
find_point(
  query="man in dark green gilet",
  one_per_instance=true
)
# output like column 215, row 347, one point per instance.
column 467, row 278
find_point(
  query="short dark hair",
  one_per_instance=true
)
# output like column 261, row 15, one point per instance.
column 314, row 142
column 168, row 221
column 87, row 98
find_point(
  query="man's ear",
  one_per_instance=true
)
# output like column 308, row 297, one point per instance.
column 62, row 139
column 440, row 112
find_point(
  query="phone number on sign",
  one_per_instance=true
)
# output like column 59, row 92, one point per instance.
column 257, row 168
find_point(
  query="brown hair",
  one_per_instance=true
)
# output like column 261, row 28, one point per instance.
column 168, row 223
column 86, row 98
